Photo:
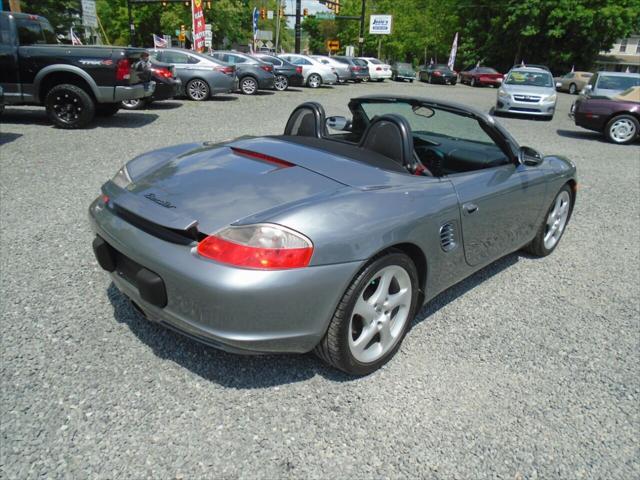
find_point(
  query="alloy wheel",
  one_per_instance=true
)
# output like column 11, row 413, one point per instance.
column 557, row 220
column 622, row 130
column 248, row 86
column 380, row 314
column 132, row 103
column 315, row 81
column 281, row 83
column 197, row 90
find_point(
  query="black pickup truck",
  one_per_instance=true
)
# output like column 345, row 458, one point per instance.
column 74, row 83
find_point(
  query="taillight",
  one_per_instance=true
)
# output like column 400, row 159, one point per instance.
column 278, row 162
column 262, row 246
column 378, row 69
column 162, row 72
column 267, row 68
column 299, row 70
column 228, row 70
column 123, row 69
column 437, row 73
column 354, row 69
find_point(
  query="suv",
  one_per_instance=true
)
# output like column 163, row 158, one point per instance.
column 608, row 84
column 527, row 91
column 253, row 74
column 73, row 83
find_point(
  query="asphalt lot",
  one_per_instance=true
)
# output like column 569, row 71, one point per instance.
column 529, row 369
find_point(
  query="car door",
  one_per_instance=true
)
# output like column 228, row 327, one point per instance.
column 500, row 199
column 9, row 78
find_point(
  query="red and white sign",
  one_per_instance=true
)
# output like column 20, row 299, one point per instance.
column 198, row 25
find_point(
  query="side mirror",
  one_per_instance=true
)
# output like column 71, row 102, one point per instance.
column 529, row 156
column 339, row 123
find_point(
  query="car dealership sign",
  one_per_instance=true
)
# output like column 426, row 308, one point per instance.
column 380, row 24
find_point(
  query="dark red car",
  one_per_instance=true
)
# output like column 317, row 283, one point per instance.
column 618, row 118
column 481, row 76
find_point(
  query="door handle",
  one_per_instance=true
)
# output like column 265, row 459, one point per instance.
column 470, row 208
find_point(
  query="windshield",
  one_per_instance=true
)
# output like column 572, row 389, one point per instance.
column 359, row 62
column 404, row 65
column 530, row 79
column 485, row 70
column 614, row 82
column 375, row 61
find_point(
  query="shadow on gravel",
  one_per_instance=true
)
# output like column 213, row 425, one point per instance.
column 294, row 90
column 8, row 137
column 264, row 92
column 595, row 136
column 263, row 371
column 229, row 370
column 469, row 283
column 122, row 119
column 516, row 116
column 164, row 105
column 222, row 98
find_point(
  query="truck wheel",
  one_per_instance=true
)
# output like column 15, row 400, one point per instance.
column 107, row 109
column 69, row 106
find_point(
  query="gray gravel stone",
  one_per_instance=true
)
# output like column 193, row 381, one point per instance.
column 528, row 369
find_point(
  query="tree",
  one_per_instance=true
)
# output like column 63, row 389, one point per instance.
column 62, row 14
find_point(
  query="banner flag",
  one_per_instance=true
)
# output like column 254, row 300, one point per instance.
column 454, row 51
column 75, row 40
column 159, row 42
column 198, row 25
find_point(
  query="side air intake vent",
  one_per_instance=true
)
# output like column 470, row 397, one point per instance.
column 448, row 237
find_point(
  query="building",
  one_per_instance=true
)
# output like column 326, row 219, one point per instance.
column 624, row 55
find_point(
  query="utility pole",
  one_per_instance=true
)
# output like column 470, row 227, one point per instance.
column 132, row 28
column 298, row 26
column 361, row 37
column 278, row 9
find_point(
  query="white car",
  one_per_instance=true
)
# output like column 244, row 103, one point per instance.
column 315, row 73
column 377, row 70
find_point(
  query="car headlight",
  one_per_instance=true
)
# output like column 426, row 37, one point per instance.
column 122, row 178
column 502, row 93
column 263, row 246
column 552, row 98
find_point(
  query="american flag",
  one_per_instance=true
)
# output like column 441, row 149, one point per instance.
column 159, row 42
column 75, row 40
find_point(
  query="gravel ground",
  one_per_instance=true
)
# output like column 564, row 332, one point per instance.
column 529, row 369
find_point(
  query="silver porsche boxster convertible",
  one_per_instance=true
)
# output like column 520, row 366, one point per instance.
column 331, row 236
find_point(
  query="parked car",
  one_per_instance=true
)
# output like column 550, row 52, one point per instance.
column 342, row 69
column 1, row 100
column 573, row 82
column 286, row 74
column 527, row 91
column 167, row 86
column 608, row 84
column 481, row 76
column 437, row 73
column 279, row 243
column 201, row 76
column 73, row 83
column 618, row 118
column 359, row 68
column 315, row 73
column 402, row 71
column 253, row 74
column 378, row 71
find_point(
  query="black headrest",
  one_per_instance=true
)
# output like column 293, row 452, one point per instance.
column 307, row 120
column 390, row 135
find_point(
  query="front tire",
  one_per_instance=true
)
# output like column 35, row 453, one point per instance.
column 554, row 224
column 622, row 129
column 69, row 106
column 373, row 316
column 281, row 83
column 473, row 82
column 197, row 90
column 314, row 81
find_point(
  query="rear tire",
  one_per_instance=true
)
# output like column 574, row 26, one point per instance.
column 377, row 309
column 622, row 129
column 136, row 104
column 249, row 86
column 69, row 106
column 314, row 81
column 197, row 90
column 107, row 109
column 281, row 83
column 553, row 225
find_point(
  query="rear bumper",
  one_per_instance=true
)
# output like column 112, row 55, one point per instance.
column 444, row 80
column 266, row 83
column 224, row 85
column 377, row 75
column 238, row 310
column 165, row 91
column 296, row 80
column 402, row 76
column 140, row 90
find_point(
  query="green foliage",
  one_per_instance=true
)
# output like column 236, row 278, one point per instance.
column 58, row 12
